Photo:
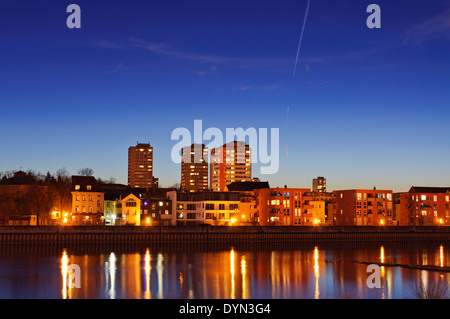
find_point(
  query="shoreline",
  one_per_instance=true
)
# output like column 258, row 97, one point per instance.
column 92, row 235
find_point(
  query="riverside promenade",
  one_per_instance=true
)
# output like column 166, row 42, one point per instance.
column 93, row 235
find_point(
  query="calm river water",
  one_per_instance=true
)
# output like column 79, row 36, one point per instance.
column 263, row 272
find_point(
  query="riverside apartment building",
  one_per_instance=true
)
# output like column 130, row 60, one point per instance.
column 288, row 207
column 207, row 207
column 425, row 206
column 362, row 207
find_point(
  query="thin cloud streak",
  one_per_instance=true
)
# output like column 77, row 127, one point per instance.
column 301, row 38
column 437, row 27
column 242, row 63
column 269, row 87
column 165, row 50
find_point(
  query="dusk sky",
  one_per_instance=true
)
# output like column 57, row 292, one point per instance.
column 366, row 107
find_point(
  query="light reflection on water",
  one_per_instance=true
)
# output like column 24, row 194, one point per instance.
column 232, row 273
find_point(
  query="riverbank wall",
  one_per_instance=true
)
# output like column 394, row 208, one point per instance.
column 154, row 235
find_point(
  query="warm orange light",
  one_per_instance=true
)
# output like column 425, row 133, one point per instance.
column 441, row 221
column 148, row 221
column 65, row 220
column 382, row 222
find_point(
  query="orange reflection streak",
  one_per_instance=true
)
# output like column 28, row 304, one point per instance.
column 65, row 274
column 382, row 270
column 441, row 255
column 64, row 263
column 148, row 268
column 232, row 271
column 316, row 272
column 244, row 277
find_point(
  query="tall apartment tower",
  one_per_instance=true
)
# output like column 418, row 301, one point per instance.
column 140, row 166
column 194, row 168
column 319, row 185
column 230, row 163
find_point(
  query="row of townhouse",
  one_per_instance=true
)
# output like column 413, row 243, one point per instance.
column 114, row 204
column 255, row 203
column 420, row 206
column 425, row 206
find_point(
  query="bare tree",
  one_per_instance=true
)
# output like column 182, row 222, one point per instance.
column 38, row 202
column 432, row 290
column 176, row 186
column 7, row 174
column 86, row 172
column 62, row 187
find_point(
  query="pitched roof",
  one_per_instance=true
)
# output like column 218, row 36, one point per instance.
column 84, row 181
column 19, row 178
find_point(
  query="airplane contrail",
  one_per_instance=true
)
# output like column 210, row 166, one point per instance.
column 301, row 37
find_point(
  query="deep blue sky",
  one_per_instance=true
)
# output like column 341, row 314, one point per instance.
column 367, row 107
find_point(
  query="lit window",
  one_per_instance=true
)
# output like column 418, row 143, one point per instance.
column 89, row 187
column 77, row 187
column 423, row 197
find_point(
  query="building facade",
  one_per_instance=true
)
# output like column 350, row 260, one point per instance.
column 362, row 207
column 140, row 166
column 284, row 207
column 87, row 202
column 213, row 208
column 130, row 210
column 194, row 168
column 247, row 197
column 230, row 163
column 425, row 206
column 319, row 185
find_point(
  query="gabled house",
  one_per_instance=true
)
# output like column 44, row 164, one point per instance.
column 87, row 202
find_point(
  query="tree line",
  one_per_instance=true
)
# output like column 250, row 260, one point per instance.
column 44, row 194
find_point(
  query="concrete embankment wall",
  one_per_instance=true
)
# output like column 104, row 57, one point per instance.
column 92, row 235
